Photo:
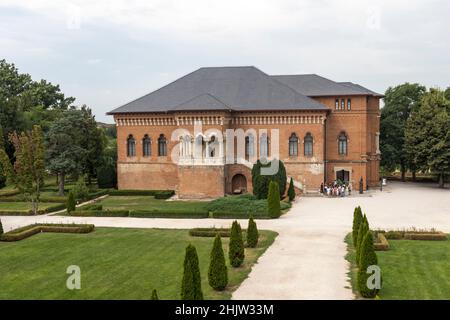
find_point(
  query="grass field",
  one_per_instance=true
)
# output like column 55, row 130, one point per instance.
column 411, row 269
column 147, row 203
column 22, row 206
column 116, row 263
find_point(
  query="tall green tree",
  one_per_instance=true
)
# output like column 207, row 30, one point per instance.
column 357, row 219
column 368, row 258
column 399, row 102
column 28, row 171
column 273, row 200
column 191, row 288
column 236, row 251
column 217, row 272
column 428, row 135
column 24, row 102
column 261, row 182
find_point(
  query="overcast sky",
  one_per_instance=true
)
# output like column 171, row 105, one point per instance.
column 106, row 53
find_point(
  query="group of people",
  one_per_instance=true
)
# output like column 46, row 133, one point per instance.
column 336, row 189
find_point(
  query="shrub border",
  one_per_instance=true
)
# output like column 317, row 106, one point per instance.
column 32, row 229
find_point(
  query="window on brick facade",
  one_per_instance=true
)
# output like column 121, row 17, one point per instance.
column 264, row 146
column 342, row 144
column 249, row 145
column 131, row 146
column 342, row 104
column 308, row 145
column 349, row 104
column 293, row 145
column 146, row 146
column 336, row 104
column 162, row 145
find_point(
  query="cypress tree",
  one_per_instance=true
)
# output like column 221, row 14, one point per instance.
column 361, row 233
column 191, row 288
column 368, row 258
column 217, row 273
column 273, row 200
column 252, row 233
column 154, row 295
column 236, row 252
column 357, row 218
column 70, row 202
column 291, row 190
column 1, row 228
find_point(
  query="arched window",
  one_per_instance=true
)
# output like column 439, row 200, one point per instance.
column 293, row 145
column 308, row 144
column 342, row 144
column 349, row 104
column 212, row 147
column 162, row 145
column 342, row 104
column 336, row 104
column 263, row 146
column 249, row 145
column 131, row 146
column 146, row 146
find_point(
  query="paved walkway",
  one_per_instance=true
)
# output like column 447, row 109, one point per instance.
column 307, row 259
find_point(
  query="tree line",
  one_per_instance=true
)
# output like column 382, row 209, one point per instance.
column 39, row 123
column 415, row 131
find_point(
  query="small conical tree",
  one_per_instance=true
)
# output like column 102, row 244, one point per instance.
column 1, row 228
column 191, row 288
column 154, row 295
column 273, row 200
column 291, row 191
column 368, row 258
column 252, row 233
column 70, row 202
column 217, row 273
column 357, row 218
column 361, row 233
column 236, row 252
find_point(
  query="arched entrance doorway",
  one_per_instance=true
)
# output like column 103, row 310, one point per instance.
column 239, row 184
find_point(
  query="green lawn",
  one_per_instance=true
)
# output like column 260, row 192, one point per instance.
column 116, row 263
column 147, row 203
column 412, row 269
column 22, row 206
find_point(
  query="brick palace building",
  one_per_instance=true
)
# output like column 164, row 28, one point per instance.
column 326, row 130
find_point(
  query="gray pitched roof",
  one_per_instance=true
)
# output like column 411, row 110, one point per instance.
column 313, row 85
column 361, row 88
column 235, row 88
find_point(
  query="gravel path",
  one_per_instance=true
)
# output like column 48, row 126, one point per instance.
column 307, row 259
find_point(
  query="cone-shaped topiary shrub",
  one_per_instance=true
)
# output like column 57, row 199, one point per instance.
column 368, row 258
column 1, row 228
column 252, row 233
column 71, row 202
column 291, row 190
column 217, row 273
column 236, row 252
column 191, row 288
column 273, row 200
column 357, row 218
column 154, row 295
column 361, row 233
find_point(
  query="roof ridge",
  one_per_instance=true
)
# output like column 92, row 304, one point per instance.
column 203, row 94
column 290, row 88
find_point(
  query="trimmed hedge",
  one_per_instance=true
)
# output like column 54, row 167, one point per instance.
column 28, row 231
column 170, row 213
column 413, row 235
column 100, row 213
column 56, row 207
column 160, row 193
column 239, row 215
column 92, row 206
column 209, row 232
column 164, row 194
column 381, row 243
